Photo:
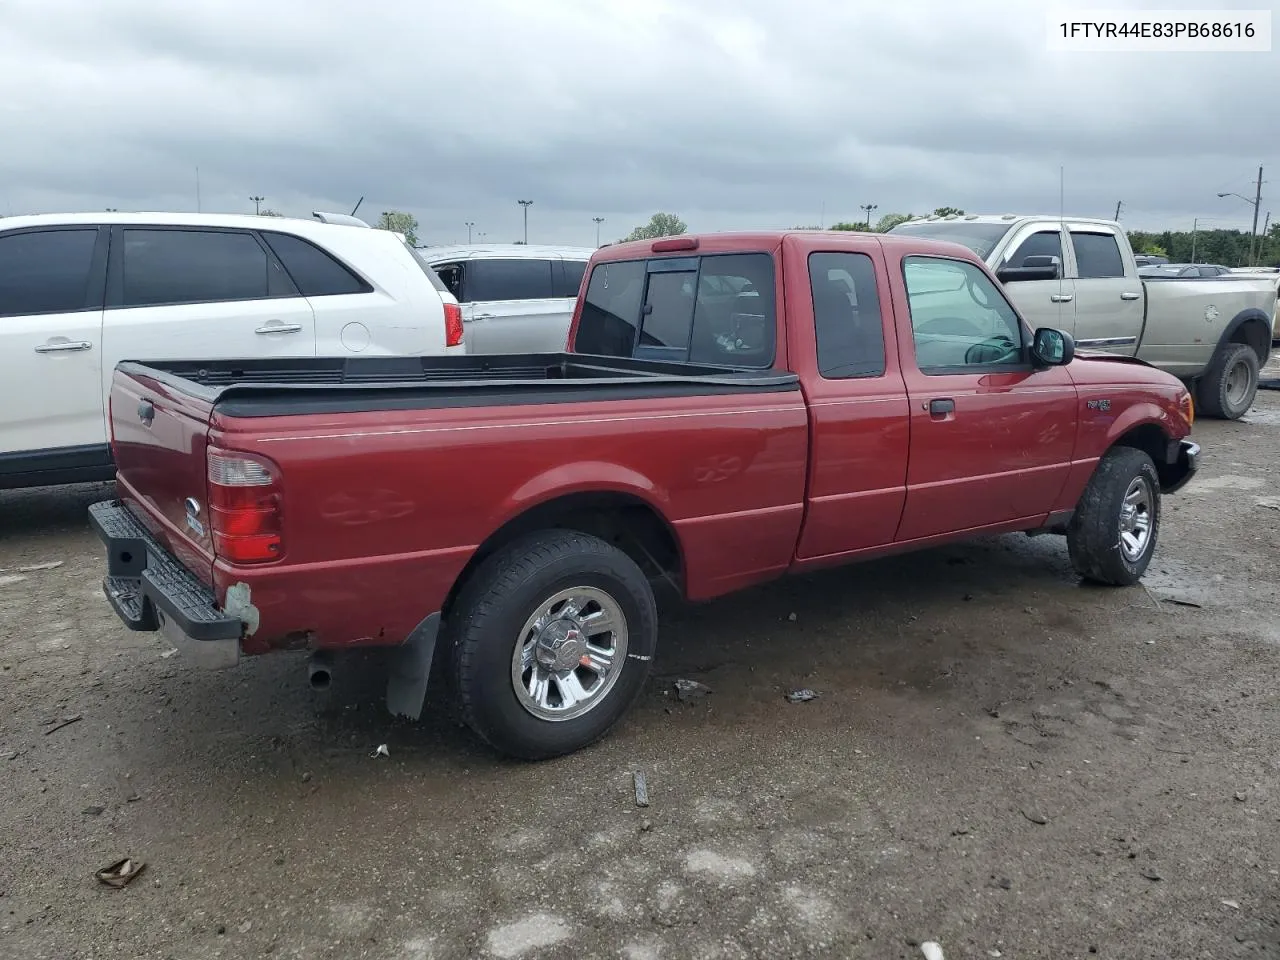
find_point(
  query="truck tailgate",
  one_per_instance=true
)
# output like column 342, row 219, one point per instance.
column 159, row 435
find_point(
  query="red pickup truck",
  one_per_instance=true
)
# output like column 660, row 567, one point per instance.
column 732, row 408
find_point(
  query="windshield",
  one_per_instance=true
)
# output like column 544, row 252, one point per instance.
column 981, row 238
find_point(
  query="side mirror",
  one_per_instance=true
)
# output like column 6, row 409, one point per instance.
column 1033, row 268
column 1052, row 348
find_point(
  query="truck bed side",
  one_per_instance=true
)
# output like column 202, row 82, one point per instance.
column 386, row 507
column 1187, row 320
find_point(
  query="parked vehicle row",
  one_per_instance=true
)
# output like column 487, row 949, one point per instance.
column 81, row 292
column 732, row 408
column 1080, row 275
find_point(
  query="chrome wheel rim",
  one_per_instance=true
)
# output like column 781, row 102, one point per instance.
column 1238, row 382
column 1136, row 519
column 569, row 654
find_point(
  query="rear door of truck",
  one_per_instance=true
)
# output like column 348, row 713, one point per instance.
column 160, row 438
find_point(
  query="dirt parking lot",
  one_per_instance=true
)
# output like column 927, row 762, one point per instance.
column 1000, row 760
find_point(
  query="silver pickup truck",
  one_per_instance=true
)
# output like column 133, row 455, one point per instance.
column 1079, row 275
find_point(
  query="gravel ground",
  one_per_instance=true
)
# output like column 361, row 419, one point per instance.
column 1000, row 760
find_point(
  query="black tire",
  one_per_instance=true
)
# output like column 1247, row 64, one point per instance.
column 1214, row 394
column 1094, row 535
column 486, row 625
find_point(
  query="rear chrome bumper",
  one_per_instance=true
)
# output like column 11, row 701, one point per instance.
column 150, row 590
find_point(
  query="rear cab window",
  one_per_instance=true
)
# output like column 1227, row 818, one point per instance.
column 715, row 309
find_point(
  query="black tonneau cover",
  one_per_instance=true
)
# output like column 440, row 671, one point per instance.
column 289, row 386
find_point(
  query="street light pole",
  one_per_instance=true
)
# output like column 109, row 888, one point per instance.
column 526, row 204
column 470, row 224
column 597, row 221
column 868, row 207
column 257, row 205
column 1256, row 203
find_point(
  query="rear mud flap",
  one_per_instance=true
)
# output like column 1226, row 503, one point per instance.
column 410, row 670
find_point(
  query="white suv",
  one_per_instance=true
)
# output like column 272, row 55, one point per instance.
column 515, row 298
column 81, row 292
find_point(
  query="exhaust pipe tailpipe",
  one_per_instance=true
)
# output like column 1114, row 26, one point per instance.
column 320, row 670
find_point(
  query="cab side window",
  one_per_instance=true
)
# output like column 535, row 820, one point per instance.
column 960, row 321
column 846, row 315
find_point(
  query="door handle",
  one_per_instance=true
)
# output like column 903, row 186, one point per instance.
column 279, row 328
column 1061, row 298
column 940, row 408
column 1130, row 296
column 64, row 346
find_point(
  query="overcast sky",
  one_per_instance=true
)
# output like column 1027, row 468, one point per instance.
column 730, row 113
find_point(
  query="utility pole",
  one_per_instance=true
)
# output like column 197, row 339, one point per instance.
column 1119, row 204
column 868, row 207
column 597, row 221
column 1257, row 202
column 1195, row 224
column 257, row 205
column 526, row 204
column 470, row 224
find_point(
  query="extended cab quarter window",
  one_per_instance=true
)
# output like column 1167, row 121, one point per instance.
column 715, row 309
column 959, row 319
column 1097, row 255
column 846, row 315
column 485, row 280
column 197, row 266
column 46, row 271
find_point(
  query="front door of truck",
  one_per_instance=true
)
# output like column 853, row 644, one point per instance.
column 858, row 417
column 991, row 437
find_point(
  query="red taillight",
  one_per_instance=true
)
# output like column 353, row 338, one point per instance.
column 452, row 325
column 244, row 508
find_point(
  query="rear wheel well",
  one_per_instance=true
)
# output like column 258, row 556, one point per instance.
column 620, row 519
column 1154, row 442
column 1253, row 333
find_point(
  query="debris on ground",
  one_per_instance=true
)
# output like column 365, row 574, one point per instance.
column 1231, row 903
column 120, row 873
column 93, row 811
column 1151, row 873
column 1037, row 818
column 37, row 567
column 8, row 578
column 382, row 751
column 690, row 691
column 168, row 653
column 802, row 696
column 1240, row 796
column 1183, row 602
column 931, row 950
column 792, row 617
column 64, row 723
column 642, row 789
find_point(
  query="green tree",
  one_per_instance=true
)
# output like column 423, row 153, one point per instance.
column 659, row 225
column 399, row 222
column 948, row 212
column 891, row 220
column 846, row 225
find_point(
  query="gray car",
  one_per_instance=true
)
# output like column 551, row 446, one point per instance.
column 515, row 298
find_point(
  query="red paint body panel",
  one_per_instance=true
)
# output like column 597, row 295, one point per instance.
column 383, row 510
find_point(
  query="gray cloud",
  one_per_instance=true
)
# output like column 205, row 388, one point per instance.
column 755, row 113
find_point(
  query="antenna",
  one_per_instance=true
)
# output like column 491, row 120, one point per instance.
column 357, row 206
column 1062, row 232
